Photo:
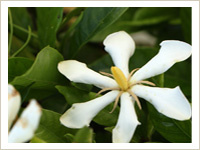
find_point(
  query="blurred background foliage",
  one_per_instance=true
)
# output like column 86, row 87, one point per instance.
column 39, row 38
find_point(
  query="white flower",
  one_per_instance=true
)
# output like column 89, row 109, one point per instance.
column 127, row 86
column 24, row 128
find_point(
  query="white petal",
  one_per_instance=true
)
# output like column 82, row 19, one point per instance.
column 26, row 125
column 20, row 133
column 170, row 53
column 32, row 113
column 78, row 72
column 170, row 102
column 127, row 122
column 81, row 114
column 13, row 104
column 121, row 47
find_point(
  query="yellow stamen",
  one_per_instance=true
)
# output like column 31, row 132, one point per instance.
column 143, row 82
column 135, row 98
column 134, row 70
column 106, row 74
column 116, row 101
column 120, row 78
column 106, row 89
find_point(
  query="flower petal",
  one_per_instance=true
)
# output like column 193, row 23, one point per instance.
column 170, row 102
column 81, row 114
column 171, row 52
column 26, row 125
column 78, row 72
column 121, row 47
column 13, row 104
column 127, row 122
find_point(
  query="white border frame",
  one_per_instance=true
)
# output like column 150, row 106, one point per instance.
column 195, row 74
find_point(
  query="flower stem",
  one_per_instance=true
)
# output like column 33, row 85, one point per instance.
column 24, row 30
column 25, row 44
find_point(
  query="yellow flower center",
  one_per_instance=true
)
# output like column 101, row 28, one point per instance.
column 124, row 85
column 120, row 78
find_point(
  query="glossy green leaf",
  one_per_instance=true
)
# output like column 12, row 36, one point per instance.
column 50, row 129
column 120, row 24
column 93, row 21
column 18, row 66
column 173, row 130
column 43, row 71
column 73, row 95
column 186, row 19
column 48, row 21
column 84, row 135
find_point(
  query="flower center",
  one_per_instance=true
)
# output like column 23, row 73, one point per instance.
column 124, row 85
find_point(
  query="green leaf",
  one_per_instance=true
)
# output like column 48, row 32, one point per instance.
column 69, row 137
column 154, row 15
column 84, row 135
column 50, row 129
column 180, row 75
column 25, row 44
column 102, row 64
column 21, row 20
column 43, row 71
column 27, row 92
column 105, row 118
column 173, row 130
column 186, row 21
column 55, row 102
column 28, row 51
column 21, row 17
column 18, row 66
column 75, row 12
column 118, row 25
column 109, row 129
column 73, row 95
column 48, row 21
column 137, row 19
column 81, row 86
column 37, row 140
column 93, row 21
